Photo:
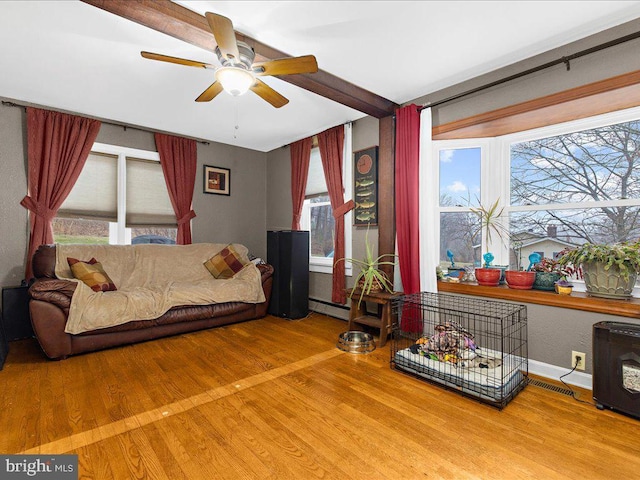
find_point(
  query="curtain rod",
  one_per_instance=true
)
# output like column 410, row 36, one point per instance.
column 566, row 60
column 286, row 145
column 13, row 104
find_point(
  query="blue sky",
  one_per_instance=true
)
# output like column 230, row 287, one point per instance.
column 460, row 175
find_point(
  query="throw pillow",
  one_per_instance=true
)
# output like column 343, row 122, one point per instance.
column 226, row 263
column 92, row 274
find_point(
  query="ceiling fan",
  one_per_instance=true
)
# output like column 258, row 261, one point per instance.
column 238, row 72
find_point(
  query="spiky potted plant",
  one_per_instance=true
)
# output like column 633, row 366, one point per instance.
column 370, row 278
column 487, row 274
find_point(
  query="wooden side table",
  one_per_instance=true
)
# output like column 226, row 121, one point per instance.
column 359, row 315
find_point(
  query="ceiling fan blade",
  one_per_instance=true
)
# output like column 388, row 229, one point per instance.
column 179, row 61
column 269, row 94
column 210, row 93
column 222, row 29
column 286, row 66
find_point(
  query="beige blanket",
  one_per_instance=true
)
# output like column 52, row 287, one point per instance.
column 150, row 279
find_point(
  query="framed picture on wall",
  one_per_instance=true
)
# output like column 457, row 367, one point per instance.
column 217, row 180
column 365, row 191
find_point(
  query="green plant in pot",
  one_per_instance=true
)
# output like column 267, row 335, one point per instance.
column 370, row 278
column 548, row 272
column 490, row 224
column 609, row 270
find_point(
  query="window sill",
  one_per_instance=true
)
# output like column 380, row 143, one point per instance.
column 327, row 268
column 576, row 301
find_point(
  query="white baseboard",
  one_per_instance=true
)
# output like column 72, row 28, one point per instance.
column 553, row 372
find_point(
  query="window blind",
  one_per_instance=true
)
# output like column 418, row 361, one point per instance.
column 148, row 202
column 316, row 184
column 94, row 196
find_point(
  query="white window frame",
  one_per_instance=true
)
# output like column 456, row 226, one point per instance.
column 495, row 174
column 119, row 233
column 325, row 265
column 488, row 194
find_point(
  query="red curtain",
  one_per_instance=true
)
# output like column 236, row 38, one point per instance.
column 179, row 158
column 331, row 144
column 300, row 155
column 58, row 145
column 407, row 170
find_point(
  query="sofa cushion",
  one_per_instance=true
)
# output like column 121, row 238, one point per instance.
column 226, row 263
column 92, row 274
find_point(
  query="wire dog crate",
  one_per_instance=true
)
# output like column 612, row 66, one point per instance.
column 477, row 347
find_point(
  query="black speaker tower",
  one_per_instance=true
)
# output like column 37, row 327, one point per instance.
column 15, row 313
column 288, row 252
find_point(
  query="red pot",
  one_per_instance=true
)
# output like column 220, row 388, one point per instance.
column 520, row 280
column 489, row 277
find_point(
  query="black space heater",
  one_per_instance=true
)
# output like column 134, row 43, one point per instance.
column 616, row 367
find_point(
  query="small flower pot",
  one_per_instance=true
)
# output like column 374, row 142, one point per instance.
column 561, row 290
column 520, row 280
column 546, row 281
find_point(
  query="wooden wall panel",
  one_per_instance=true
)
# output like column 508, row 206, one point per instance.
column 616, row 93
column 386, row 191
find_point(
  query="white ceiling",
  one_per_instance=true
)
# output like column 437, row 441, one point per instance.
column 72, row 56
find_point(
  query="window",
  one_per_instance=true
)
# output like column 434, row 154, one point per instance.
column 317, row 214
column 120, row 198
column 459, row 178
column 560, row 186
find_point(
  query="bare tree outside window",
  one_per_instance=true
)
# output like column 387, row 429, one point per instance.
column 322, row 227
column 584, row 183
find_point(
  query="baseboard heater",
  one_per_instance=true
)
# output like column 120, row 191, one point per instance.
column 331, row 304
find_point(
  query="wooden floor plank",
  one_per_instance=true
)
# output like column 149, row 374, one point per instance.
column 275, row 399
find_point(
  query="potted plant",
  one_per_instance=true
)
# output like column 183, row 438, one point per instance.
column 609, row 270
column 549, row 271
column 370, row 278
column 563, row 287
column 487, row 274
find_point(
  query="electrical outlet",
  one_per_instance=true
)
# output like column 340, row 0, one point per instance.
column 578, row 360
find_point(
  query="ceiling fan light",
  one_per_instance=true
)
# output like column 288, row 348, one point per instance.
column 235, row 81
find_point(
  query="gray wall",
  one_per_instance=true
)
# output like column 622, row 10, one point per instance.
column 238, row 218
column 365, row 134
column 13, row 187
column 555, row 332
column 591, row 68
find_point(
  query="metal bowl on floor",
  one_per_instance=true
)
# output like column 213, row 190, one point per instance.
column 356, row 342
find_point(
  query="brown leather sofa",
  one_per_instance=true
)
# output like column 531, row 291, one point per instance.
column 51, row 298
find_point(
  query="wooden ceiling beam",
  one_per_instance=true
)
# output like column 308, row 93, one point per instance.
column 181, row 23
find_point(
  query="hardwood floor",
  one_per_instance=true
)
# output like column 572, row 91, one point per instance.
column 274, row 399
